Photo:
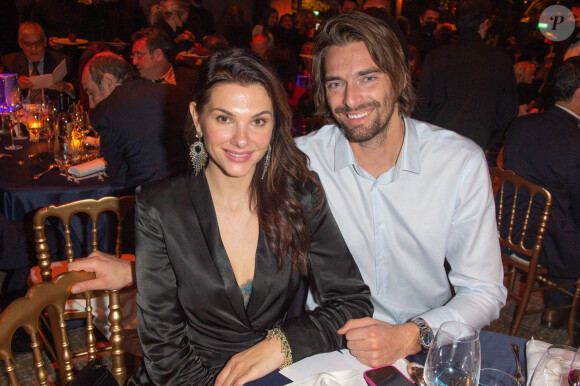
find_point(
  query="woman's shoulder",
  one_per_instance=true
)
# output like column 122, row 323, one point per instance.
column 163, row 189
column 312, row 193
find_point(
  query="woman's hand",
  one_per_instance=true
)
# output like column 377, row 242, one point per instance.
column 251, row 364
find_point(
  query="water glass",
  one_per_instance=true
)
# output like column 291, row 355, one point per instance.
column 554, row 366
column 454, row 357
column 493, row 377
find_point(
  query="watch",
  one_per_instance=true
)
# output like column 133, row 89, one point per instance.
column 425, row 333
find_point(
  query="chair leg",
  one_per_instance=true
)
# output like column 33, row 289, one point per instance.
column 523, row 305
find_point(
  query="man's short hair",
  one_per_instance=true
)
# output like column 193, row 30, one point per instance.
column 567, row 79
column 110, row 63
column 341, row 2
column 430, row 7
column 31, row 26
column 471, row 13
column 383, row 46
column 155, row 39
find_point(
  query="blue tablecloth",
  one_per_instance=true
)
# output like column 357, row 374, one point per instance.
column 21, row 196
column 496, row 353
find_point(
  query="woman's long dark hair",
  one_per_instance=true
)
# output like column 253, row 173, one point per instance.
column 276, row 198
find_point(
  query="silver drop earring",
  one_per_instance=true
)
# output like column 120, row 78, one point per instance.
column 197, row 154
column 267, row 160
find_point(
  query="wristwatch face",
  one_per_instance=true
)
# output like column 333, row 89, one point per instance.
column 426, row 338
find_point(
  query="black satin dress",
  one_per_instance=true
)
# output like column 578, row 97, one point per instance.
column 191, row 316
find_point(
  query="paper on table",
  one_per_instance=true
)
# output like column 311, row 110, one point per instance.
column 331, row 362
column 47, row 80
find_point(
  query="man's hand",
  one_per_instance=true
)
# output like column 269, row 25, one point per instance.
column 376, row 343
column 24, row 82
column 253, row 363
column 111, row 273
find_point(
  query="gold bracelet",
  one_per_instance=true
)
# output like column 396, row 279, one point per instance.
column 279, row 335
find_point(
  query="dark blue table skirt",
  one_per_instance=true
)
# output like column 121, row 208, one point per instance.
column 496, row 353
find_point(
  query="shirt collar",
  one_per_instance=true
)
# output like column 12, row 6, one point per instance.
column 408, row 158
column 568, row 111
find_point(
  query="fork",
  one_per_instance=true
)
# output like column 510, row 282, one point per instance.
column 44, row 172
column 5, row 155
column 518, row 376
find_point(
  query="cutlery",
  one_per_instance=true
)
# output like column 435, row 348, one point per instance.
column 44, row 172
column 518, row 376
column 415, row 371
column 5, row 155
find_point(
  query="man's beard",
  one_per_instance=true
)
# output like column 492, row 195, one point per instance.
column 358, row 134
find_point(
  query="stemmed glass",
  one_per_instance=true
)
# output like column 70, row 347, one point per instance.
column 574, row 373
column 554, row 367
column 16, row 113
column 454, row 357
column 493, row 377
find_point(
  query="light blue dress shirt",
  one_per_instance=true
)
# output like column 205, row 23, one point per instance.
column 435, row 203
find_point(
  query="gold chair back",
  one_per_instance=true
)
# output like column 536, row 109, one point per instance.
column 523, row 210
column 25, row 312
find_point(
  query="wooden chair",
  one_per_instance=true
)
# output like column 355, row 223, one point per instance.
column 523, row 209
column 49, row 297
column 93, row 209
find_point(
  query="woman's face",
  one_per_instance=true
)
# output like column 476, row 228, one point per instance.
column 273, row 19
column 286, row 22
column 237, row 124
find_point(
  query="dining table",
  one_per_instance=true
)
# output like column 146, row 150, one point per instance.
column 496, row 353
column 21, row 195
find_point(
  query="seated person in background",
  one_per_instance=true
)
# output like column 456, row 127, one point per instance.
column 527, row 89
column 140, row 122
column 35, row 59
column 152, row 55
column 242, row 229
column 407, row 196
column 267, row 25
column 543, row 148
column 260, row 45
column 173, row 22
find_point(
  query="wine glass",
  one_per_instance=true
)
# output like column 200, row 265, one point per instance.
column 493, row 377
column 574, row 373
column 454, row 357
column 554, row 366
column 16, row 112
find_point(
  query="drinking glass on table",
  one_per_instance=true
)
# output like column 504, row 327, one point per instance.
column 493, row 377
column 16, row 112
column 454, row 357
column 574, row 373
column 554, row 366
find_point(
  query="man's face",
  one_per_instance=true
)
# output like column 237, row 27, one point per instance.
column 358, row 93
column 347, row 7
column 32, row 44
column 260, row 45
column 94, row 91
column 430, row 16
column 143, row 60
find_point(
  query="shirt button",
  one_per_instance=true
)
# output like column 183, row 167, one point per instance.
column 382, row 291
column 381, row 260
column 380, row 224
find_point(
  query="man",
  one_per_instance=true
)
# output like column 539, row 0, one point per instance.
column 407, row 196
column 34, row 59
column 347, row 6
column 151, row 54
column 543, row 148
column 260, row 45
column 422, row 38
column 468, row 87
column 140, row 122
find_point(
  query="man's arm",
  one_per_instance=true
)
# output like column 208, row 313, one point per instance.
column 111, row 273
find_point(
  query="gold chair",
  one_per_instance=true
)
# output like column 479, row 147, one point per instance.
column 65, row 213
column 522, row 212
column 49, row 297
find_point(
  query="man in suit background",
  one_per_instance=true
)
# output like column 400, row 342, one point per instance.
column 140, row 122
column 152, row 55
column 467, row 86
column 34, row 59
column 543, row 148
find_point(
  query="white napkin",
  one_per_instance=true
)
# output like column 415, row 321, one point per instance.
column 336, row 378
column 88, row 168
column 535, row 349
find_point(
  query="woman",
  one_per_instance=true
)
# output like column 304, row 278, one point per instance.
column 267, row 25
column 286, row 36
column 222, row 249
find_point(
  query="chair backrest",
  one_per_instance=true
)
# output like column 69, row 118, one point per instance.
column 522, row 211
column 25, row 312
column 65, row 212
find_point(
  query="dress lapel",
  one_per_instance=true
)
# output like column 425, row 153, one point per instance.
column 202, row 202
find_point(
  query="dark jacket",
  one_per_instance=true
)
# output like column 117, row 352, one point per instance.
column 191, row 310
column 469, row 88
